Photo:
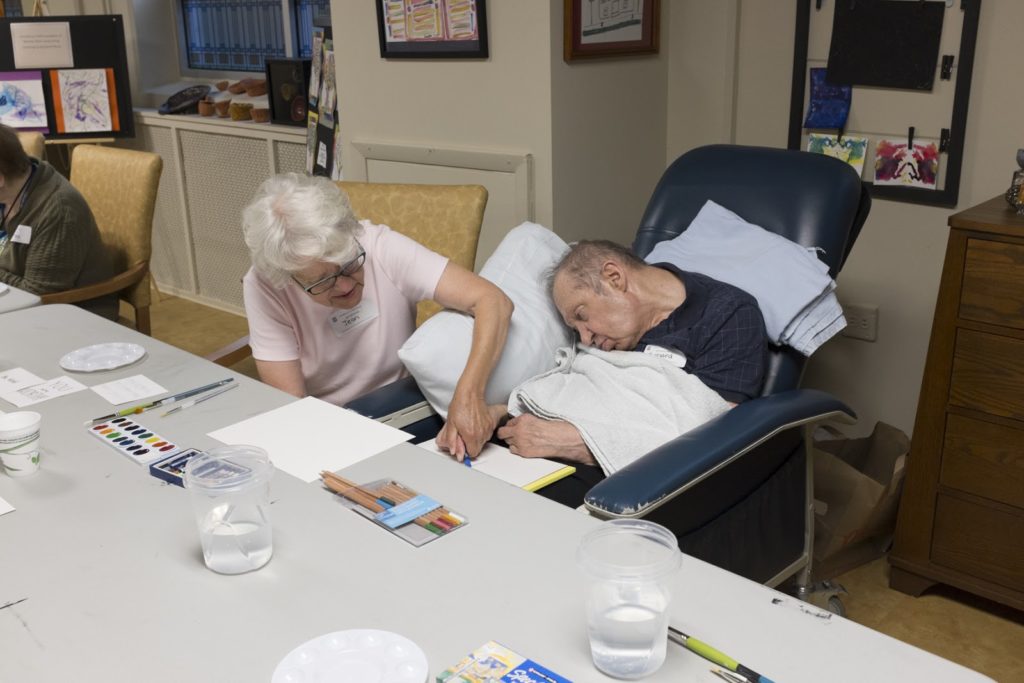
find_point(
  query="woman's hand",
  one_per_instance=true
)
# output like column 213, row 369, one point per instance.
column 469, row 427
column 470, row 422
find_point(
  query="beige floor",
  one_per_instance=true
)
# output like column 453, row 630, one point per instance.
column 958, row 626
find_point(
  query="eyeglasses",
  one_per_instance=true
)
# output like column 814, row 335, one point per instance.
column 347, row 270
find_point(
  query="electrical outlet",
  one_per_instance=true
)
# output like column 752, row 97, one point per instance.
column 861, row 321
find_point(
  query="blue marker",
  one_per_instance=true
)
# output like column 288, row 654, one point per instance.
column 466, row 461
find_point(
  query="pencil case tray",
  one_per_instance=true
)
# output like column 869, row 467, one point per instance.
column 444, row 520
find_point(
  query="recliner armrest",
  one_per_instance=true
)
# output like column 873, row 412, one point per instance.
column 679, row 464
column 399, row 404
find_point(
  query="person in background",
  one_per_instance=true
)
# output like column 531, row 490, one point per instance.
column 49, row 241
column 616, row 301
column 331, row 299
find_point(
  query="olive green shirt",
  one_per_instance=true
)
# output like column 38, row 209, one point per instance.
column 65, row 249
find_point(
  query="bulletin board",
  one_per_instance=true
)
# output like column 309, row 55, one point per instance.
column 913, row 106
column 77, row 65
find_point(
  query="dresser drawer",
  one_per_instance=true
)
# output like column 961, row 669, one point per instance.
column 988, row 374
column 984, row 459
column 983, row 542
column 993, row 285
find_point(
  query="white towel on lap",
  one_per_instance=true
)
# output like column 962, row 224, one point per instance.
column 623, row 403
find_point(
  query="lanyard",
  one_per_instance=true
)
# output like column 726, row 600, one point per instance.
column 23, row 196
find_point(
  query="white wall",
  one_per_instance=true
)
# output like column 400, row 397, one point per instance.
column 501, row 104
column 608, row 127
column 898, row 259
column 701, row 74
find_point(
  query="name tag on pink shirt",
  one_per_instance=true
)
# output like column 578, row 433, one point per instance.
column 343, row 321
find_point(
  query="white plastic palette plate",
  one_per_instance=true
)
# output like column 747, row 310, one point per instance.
column 3, row 288
column 102, row 357
column 356, row 656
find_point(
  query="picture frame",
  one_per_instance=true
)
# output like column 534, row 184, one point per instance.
column 443, row 29
column 287, row 85
column 610, row 28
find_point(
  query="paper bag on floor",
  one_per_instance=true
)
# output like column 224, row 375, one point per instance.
column 857, row 484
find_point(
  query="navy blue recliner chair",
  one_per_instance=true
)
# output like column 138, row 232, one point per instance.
column 737, row 491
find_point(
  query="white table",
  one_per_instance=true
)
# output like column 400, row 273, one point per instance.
column 104, row 565
column 14, row 299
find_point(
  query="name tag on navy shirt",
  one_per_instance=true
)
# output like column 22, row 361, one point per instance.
column 343, row 321
column 673, row 356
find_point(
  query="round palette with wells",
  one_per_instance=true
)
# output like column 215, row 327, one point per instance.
column 102, row 357
column 363, row 655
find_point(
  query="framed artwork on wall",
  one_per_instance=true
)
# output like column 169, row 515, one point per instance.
column 432, row 28
column 610, row 28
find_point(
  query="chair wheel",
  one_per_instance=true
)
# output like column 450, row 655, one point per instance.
column 836, row 606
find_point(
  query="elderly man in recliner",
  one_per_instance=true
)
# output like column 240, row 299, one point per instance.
column 615, row 301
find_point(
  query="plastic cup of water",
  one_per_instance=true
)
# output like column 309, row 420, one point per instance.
column 230, row 491
column 628, row 567
column 19, row 443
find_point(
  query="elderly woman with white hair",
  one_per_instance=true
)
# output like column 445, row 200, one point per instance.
column 330, row 300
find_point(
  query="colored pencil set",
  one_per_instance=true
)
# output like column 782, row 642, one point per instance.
column 391, row 494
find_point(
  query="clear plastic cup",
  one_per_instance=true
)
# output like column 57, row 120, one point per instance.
column 628, row 566
column 230, row 491
column 19, row 443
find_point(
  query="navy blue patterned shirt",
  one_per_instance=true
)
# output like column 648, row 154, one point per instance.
column 720, row 331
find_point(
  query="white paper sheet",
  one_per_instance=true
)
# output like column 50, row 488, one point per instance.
column 501, row 463
column 5, row 507
column 16, row 378
column 42, row 45
column 311, row 435
column 129, row 389
column 59, row 386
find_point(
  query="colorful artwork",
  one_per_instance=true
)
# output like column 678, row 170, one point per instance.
column 84, row 100
column 316, row 57
column 829, row 106
column 429, row 20
column 21, row 100
column 897, row 164
column 848, row 149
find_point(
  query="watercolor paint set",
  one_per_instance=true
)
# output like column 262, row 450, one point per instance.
column 172, row 469
column 131, row 439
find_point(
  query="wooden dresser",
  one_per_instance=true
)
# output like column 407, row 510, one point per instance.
column 961, row 518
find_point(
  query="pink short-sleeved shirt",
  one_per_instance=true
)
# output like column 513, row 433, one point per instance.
column 344, row 354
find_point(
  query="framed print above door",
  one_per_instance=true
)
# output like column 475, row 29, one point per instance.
column 608, row 28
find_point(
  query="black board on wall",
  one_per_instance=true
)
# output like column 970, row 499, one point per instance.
column 97, row 42
column 953, row 131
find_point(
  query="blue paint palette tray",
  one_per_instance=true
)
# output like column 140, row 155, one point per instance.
column 172, row 469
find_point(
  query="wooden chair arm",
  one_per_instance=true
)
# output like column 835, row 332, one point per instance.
column 231, row 353
column 124, row 280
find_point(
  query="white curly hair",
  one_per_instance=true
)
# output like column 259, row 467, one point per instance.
column 296, row 220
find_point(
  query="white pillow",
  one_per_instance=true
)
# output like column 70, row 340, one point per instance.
column 436, row 353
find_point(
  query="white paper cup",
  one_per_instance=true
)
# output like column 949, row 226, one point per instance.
column 19, row 443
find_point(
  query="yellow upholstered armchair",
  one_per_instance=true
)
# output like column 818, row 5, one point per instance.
column 443, row 218
column 120, row 186
column 33, row 143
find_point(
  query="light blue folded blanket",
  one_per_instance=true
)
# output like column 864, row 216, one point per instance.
column 791, row 284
